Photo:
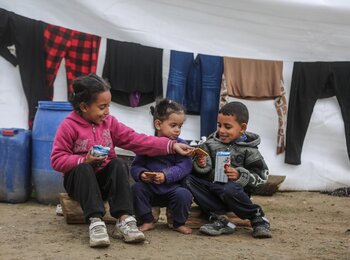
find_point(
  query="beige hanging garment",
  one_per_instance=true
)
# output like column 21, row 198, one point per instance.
column 258, row 80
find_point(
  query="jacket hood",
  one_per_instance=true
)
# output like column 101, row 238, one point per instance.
column 253, row 140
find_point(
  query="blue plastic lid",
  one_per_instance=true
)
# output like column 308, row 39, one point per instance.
column 55, row 105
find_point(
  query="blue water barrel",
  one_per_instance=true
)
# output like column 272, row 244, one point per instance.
column 47, row 182
column 15, row 183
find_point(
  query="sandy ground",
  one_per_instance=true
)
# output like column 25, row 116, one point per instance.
column 305, row 225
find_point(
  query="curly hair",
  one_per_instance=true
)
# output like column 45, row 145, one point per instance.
column 86, row 89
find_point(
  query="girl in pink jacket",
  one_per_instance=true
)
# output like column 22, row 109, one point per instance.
column 89, row 178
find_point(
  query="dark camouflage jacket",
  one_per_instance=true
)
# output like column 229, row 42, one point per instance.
column 245, row 157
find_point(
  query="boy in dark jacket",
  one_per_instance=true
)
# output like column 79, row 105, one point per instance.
column 245, row 171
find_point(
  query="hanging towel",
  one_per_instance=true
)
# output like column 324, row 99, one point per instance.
column 258, row 80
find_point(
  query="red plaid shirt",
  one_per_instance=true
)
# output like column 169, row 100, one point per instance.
column 80, row 51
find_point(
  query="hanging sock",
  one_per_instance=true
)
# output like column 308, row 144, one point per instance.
column 134, row 98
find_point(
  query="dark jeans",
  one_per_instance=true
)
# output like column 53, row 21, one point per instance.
column 311, row 81
column 91, row 189
column 196, row 83
column 178, row 201
column 220, row 198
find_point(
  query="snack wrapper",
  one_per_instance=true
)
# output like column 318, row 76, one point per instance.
column 100, row 150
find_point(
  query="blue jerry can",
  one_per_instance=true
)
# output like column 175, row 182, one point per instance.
column 15, row 157
column 47, row 182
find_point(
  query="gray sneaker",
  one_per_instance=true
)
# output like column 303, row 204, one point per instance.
column 98, row 233
column 219, row 226
column 128, row 231
column 261, row 227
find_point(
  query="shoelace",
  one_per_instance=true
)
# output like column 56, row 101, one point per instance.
column 218, row 218
column 218, row 224
column 260, row 221
column 132, row 226
column 221, row 220
column 98, row 230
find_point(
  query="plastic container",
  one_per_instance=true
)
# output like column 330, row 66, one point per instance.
column 47, row 182
column 15, row 181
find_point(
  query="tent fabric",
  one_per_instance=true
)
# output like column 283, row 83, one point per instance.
column 286, row 30
column 289, row 30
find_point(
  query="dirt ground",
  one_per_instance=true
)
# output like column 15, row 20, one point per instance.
column 305, row 225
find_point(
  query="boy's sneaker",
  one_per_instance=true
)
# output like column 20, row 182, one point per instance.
column 128, row 231
column 220, row 225
column 98, row 233
column 261, row 227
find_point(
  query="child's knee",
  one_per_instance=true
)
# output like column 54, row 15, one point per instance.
column 184, row 195
column 138, row 188
column 233, row 189
column 84, row 167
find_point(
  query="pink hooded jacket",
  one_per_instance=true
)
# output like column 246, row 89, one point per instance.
column 75, row 136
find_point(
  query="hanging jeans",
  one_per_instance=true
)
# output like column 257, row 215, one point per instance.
column 195, row 83
column 311, row 81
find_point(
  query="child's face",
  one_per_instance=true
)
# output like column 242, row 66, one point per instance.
column 229, row 129
column 170, row 127
column 97, row 111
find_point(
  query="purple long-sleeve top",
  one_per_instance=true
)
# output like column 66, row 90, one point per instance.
column 174, row 166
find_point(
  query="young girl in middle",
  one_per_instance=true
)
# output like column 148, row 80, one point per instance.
column 158, row 179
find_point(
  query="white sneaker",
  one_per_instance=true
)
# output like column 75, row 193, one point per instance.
column 59, row 211
column 128, row 231
column 98, row 233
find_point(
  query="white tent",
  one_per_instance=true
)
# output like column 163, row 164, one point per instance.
column 288, row 30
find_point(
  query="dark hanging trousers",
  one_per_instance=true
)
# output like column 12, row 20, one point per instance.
column 311, row 81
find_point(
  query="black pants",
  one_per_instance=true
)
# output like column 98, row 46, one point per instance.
column 27, row 36
column 178, row 200
column 220, row 198
column 91, row 189
column 311, row 81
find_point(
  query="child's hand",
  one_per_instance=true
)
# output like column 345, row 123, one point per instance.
column 146, row 177
column 201, row 161
column 93, row 160
column 159, row 178
column 232, row 173
column 155, row 177
column 183, row 149
column 191, row 152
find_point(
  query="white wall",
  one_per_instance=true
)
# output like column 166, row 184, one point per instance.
column 325, row 163
column 324, row 160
